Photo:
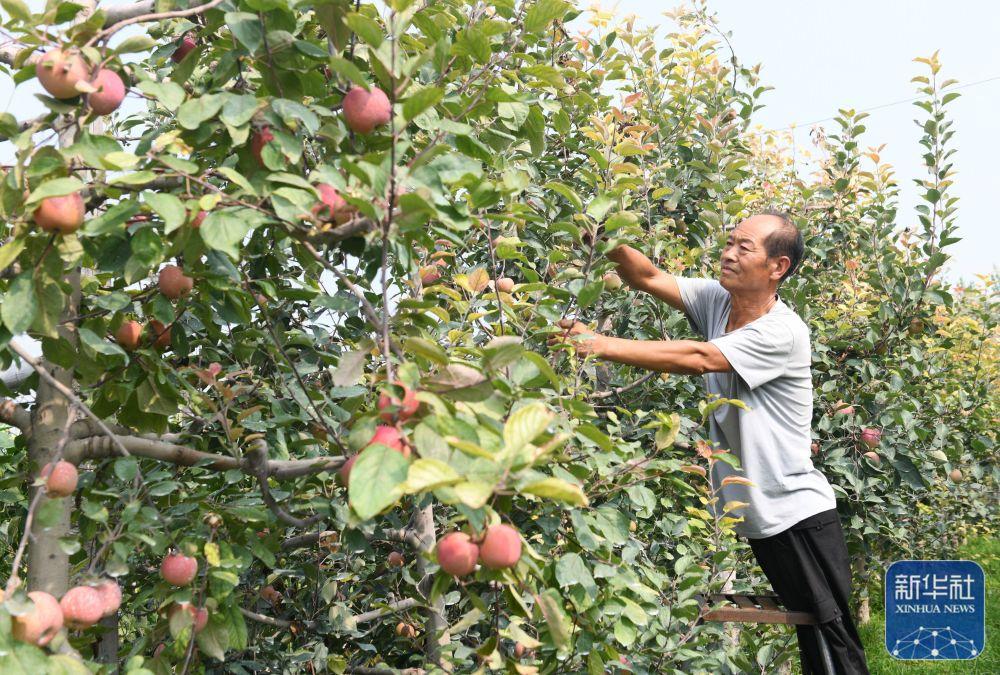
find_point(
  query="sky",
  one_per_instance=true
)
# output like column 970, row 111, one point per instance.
column 822, row 56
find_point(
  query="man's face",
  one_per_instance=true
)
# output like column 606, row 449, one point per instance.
column 744, row 262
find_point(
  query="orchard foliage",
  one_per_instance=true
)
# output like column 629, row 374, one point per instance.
column 272, row 266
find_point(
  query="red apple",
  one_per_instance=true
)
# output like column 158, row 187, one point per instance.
column 62, row 214
column 345, row 470
column 390, row 437
column 160, row 334
column 81, row 607
column 365, row 110
column 429, row 275
column 199, row 615
column 404, row 409
column 612, row 281
column 184, row 47
column 178, row 569
column 261, row 137
column 871, row 437
column 128, row 335
column 198, row 219
column 39, row 624
column 873, row 457
column 955, row 475
column 814, row 448
column 501, row 547
column 331, row 206
column 62, row 479
column 842, row 408
column 396, row 559
column 59, row 70
column 111, row 596
column 110, row 92
column 174, row 283
column 457, row 554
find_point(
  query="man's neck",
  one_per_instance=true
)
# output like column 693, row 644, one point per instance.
column 747, row 308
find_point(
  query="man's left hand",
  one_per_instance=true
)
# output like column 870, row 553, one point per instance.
column 588, row 343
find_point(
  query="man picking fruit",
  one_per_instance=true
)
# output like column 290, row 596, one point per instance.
column 756, row 349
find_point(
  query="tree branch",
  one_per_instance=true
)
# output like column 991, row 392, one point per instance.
column 624, row 388
column 100, row 447
column 398, row 606
column 14, row 415
column 146, row 18
column 256, row 464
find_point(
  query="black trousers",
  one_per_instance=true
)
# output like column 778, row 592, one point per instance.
column 809, row 569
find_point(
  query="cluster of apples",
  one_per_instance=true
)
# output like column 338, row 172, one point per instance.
column 59, row 71
column 80, row 607
column 180, row 570
column 394, row 411
column 173, row 284
column 499, row 548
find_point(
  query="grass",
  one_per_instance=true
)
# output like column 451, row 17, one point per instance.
column 986, row 552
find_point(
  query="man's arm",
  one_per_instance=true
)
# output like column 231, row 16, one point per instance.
column 684, row 357
column 638, row 271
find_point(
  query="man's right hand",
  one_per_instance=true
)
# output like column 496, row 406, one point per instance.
column 638, row 272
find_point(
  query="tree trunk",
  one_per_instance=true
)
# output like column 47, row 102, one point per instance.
column 107, row 645
column 422, row 525
column 48, row 564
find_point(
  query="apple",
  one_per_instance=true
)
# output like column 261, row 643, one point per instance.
column 178, row 569
column 396, row 559
column 612, row 281
column 955, row 475
column 501, row 547
column 111, row 596
column 365, row 110
column 184, row 47
column 390, row 437
column 331, row 206
column 270, row 594
column 81, row 607
column 59, row 70
column 39, row 624
column 457, row 554
column 874, row 457
column 405, row 630
column 814, row 448
column 110, row 92
column 871, row 437
column 160, row 334
column 128, row 335
column 916, row 327
column 199, row 615
column 174, row 283
column 198, row 219
column 63, row 214
column 842, row 408
column 505, row 284
column 261, row 137
column 403, row 410
column 62, row 480
column 519, row 650
column 429, row 275
column 345, row 470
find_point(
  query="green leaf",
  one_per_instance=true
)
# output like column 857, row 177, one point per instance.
column 49, row 512
column 367, row 29
column 571, row 570
column 567, row 192
column 94, row 342
column 57, row 187
column 247, row 29
column 557, row 489
column 134, row 44
column 170, row 94
column 194, row 112
column 524, row 425
column 428, row 474
column 238, row 110
column 348, row 71
column 112, row 219
column 421, row 100
column 224, row 230
column 19, row 304
column 473, row 493
column 213, row 639
column 550, row 603
column 600, row 205
column 168, row 207
column 377, row 479
column 427, row 349
column 10, row 251
column 542, row 13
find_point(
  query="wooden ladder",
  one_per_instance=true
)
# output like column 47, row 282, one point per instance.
column 746, row 608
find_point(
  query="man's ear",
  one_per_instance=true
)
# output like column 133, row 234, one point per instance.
column 779, row 266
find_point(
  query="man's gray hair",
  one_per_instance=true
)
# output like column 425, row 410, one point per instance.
column 786, row 240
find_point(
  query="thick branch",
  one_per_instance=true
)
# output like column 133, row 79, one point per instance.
column 256, row 464
column 353, row 228
column 14, row 415
column 100, row 447
column 624, row 388
column 398, row 606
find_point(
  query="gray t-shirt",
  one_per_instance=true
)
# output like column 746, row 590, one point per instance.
column 770, row 357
